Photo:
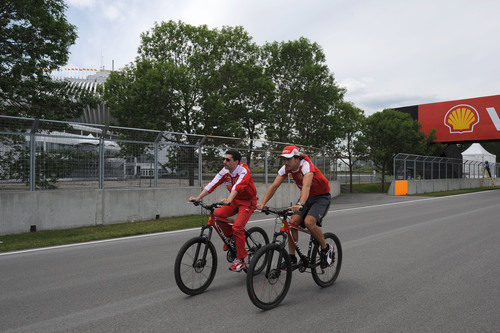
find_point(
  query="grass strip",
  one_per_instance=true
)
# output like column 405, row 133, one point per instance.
column 46, row 238
column 455, row 192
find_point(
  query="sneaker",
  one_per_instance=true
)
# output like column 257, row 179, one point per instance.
column 238, row 265
column 225, row 248
column 293, row 259
column 326, row 256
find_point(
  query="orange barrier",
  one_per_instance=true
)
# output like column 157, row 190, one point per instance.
column 401, row 187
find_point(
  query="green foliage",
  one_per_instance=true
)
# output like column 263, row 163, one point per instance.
column 304, row 107
column 193, row 79
column 50, row 166
column 35, row 38
column 388, row 133
column 351, row 120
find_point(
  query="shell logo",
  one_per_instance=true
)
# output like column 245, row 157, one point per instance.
column 461, row 119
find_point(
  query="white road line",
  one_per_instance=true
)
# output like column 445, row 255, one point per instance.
column 251, row 221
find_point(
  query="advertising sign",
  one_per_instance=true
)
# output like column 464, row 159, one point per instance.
column 471, row 119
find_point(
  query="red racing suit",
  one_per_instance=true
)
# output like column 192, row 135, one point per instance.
column 243, row 204
column 319, row 184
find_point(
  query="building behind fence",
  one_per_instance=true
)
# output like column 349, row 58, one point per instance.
column 47, row 154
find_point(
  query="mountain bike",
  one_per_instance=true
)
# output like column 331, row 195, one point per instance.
column 196, row 262
column 267, row 286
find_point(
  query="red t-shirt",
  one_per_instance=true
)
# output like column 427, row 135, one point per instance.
column 240, row 180
column 319, row 184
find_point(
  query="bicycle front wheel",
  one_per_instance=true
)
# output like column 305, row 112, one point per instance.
column 268, row 287
column 325, row 277
column 256, row 238
column 195, row 266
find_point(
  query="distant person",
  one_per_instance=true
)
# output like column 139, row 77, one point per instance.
column 487, row 168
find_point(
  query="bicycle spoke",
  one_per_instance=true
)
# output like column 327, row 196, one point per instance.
column 194, row 273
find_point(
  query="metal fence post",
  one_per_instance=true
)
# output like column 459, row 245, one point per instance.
column 155, row 170
column 266, row 172
column 324, row 162
column 33, row 155
column 200, row 162
column 394, row 167
column 101, row 157
column 405, row 175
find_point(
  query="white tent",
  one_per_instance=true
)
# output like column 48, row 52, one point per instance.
column 478, row 155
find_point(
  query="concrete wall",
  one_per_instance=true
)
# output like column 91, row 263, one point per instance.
column 438, row 185
column 75, row 208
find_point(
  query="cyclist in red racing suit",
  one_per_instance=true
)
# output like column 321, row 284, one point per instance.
column 242, row 200
column 314, row 198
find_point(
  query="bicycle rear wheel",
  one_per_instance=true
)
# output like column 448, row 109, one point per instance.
column 268, row 288
column 194, row 272
column 256, row 238
column 325, row 277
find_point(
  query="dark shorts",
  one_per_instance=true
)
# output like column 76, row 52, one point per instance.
column 317, row 207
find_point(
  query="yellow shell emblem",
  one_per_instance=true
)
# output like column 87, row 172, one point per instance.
column 461, row 119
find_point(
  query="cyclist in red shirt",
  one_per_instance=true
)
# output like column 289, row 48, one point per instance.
column 242, row 200
column 314, row 198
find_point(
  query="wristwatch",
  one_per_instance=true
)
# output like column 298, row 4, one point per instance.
column 299, row 204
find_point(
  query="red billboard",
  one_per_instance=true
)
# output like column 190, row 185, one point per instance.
column 471, row 119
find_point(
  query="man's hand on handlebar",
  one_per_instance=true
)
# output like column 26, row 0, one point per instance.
column 225, row 202
column 191, row 199
column 260, row 206
column 296, row 208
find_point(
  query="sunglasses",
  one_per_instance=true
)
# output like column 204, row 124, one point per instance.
column 226, row 159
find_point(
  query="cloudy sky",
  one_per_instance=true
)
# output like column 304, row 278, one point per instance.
column 387, row 53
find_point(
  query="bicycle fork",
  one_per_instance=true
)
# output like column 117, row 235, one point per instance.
column 205, row 250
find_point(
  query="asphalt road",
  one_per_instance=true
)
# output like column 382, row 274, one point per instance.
column 410, row 264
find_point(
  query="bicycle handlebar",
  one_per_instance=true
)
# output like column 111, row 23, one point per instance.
column 283, row 213
column 208, row 207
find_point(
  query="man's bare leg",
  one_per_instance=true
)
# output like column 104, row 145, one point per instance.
column 310, row 222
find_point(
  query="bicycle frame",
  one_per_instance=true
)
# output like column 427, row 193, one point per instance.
column 212, row 224
column 286, row 232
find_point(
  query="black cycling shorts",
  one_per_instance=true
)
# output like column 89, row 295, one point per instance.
column 317, row 207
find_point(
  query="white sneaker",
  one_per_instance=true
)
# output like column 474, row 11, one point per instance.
column 238, row 265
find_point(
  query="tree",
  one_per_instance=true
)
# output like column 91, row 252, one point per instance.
column 211, row 66
column 192, row 79
column 389, row 132
column 249, row 91
column 351, row 121
column 303, row 110
column 34, row 39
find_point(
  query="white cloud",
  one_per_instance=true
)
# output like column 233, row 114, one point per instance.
column 386, row 53
column 82, row 3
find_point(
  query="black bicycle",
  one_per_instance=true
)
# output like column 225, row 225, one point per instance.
column 196, row 262
column 270, row 272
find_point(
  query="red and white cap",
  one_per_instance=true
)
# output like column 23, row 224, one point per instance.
column 290, row 151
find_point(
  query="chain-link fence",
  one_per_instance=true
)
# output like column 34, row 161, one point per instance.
column 363, row 172
column 47, row 154
column 408, row 166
